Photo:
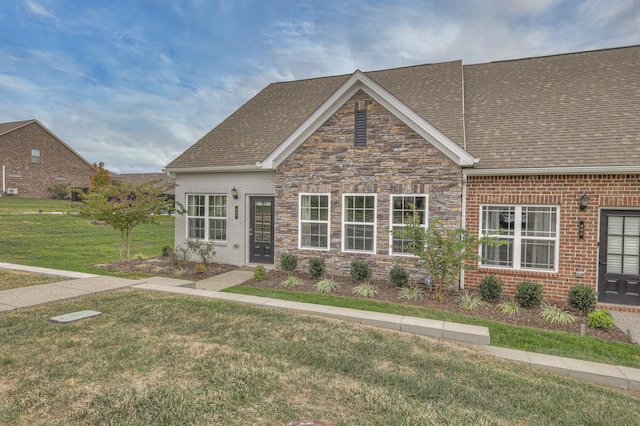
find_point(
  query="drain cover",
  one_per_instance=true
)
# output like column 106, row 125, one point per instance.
column 74, row 316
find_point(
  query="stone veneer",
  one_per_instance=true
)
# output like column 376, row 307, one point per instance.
column 396, row 160
column 58, row 163
column 576, row 254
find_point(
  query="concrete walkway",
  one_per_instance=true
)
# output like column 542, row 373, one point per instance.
column 478, row 337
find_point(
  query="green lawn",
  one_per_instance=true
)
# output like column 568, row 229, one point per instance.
column 154, row 358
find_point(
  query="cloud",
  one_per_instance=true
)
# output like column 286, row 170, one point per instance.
column 38, row 9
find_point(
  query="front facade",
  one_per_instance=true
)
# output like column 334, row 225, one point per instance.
column 328, row 167
column 33, row 160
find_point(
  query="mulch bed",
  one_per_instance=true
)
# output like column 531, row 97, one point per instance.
column 386, row 292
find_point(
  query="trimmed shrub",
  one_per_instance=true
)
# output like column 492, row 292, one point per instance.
column 490, row 288
column 316, row 267
column 260, row 273
column 600, row 319
column 360, row 271
column 288, row 262
column 583, row 298
column 529, row 294
column 398, row 276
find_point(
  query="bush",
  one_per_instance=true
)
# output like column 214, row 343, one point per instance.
column 470, row 301
column 600, row 319
column 529, row 294
column 167, row 251
column 413, row 293
column 360, row 271
column 259, row 273
column 365, row 290
column 508, row 307
column 316, row 267
column 556, row 315
column 288, row 262
column 583, row 298
column 200, row 268
column 292, row 282
column 59, row 191
column 398, row 276
column 490, row 288
column 326, row 285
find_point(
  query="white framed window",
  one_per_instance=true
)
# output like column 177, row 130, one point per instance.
column 402, row 212
column 35, row 156
column 531, row 236
column 359, row 223
column 313, row 222
column 207, row 217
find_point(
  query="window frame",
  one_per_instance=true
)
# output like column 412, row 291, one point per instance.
column 395, row 225
column 206, row 217
column 518, row 237
column 302, row 221
column 37, row 158
column 373, row 224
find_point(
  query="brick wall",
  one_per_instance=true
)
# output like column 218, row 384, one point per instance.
column 576, row 254
column 58, row 164
column 395, row 160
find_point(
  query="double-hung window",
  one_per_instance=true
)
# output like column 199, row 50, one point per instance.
column 313, row 228
column 404, row 209
column 359, row 223
column 529, row 236
column 35, row 156
column 207, row 217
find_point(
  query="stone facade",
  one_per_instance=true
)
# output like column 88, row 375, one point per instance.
column 577, row 256
column 58, row 164
column 395, row 161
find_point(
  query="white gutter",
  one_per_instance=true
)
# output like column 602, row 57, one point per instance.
column 246, row 168
column 464, row 219
column 580, row 170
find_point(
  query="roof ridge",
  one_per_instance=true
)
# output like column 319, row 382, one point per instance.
column 582, row 52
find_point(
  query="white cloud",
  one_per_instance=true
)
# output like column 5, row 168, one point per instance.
column 38, row 9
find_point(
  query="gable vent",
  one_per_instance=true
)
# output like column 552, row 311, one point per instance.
column 360, row 128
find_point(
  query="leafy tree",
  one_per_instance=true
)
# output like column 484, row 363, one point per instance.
column 124, row 207
column 100, row 179
column 444, row 253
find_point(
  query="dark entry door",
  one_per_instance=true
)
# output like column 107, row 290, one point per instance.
column 261, row 230
column 619, row 272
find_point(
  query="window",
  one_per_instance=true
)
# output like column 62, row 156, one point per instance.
column 207, row 217
column 359, row 223
column 35, row 155
column 402, row 212
column 313, row 228
column 530, row 235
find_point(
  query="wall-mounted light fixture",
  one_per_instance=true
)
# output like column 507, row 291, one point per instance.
column 234, row 193
column 581, row 229
column 584, row 201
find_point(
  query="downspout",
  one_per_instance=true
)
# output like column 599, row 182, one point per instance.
column 464, row 218
column 3, row 182
column 464, row 126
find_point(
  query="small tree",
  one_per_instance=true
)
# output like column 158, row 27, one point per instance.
column 444, row 253
column 100, row 179
column 124, row 207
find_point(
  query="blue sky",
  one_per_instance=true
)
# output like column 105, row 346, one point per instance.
column 134, row 83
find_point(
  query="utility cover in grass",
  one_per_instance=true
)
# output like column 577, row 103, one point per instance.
column 75, row 316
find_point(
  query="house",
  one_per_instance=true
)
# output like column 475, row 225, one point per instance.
column 33, row 159
column 543, row 153
column 136, row 179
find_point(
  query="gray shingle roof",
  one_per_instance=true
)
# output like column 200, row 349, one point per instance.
column 7, row 127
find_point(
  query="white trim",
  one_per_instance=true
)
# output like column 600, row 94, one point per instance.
column 328, row 221
column 359, row 81
column 391, row 224
column 374, row 223
column 207, row 217
column 254, row 168
column 582, row 170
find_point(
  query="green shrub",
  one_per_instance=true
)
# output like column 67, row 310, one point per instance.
column 288, row 262
column 490, row 288
column 583, row 298
column 398, row 276
column 200, row 268
column 508, row 307
column 167, row 251
column 316, row 267
column 360, row 271
column 470, row 301
column 413, row 293
column 556, row 315
column 260, row 273
column 59, row 191
column 292, row 282
column 529, row 294
column 600, row 319
column 326, row 285
column 365, row 290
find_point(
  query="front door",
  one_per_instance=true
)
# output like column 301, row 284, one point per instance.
column 619, row 272
column 261, row 230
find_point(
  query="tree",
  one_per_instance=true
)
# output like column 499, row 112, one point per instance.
column 444, row 253
column 100, row 179
column 124, row 207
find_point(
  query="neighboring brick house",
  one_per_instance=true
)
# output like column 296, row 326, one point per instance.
column 33, row 159
column 326, row 167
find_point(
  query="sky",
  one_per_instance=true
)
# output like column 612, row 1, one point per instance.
column 134, row 83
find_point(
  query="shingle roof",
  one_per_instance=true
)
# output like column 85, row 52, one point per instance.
column 580, row 109
column 7, row 127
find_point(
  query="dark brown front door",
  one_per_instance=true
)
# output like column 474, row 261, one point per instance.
column 261, row 230
column 619, row 272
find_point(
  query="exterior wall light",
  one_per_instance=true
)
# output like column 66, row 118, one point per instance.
column 584, row 202
column 234, row 193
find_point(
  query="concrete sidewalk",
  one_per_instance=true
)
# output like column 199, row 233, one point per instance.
column 478, row 337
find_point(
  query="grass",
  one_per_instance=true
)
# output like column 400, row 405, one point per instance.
column 16, row 279
column 62, row 241
column 154, row 358
column 503, row 335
